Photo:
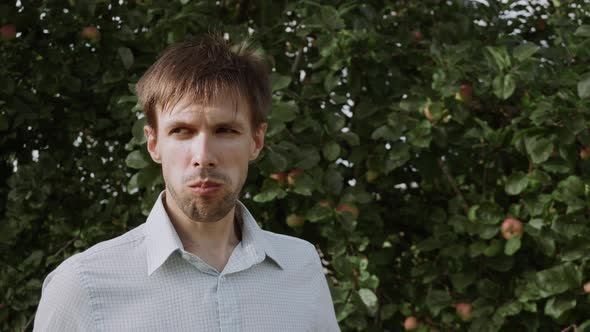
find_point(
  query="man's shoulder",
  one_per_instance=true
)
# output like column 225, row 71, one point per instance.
column 294, row 251
column 125, row 245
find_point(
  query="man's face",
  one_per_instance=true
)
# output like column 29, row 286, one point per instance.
column 204, row 151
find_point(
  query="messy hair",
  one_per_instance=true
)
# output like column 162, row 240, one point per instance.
column 203, row 70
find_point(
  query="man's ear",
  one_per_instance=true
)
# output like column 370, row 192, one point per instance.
column 257, row 140
column 152, row 142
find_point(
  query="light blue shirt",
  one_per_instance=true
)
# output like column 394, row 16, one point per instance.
column 144, row 280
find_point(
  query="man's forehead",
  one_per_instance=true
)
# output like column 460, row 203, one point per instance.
column 227, row 109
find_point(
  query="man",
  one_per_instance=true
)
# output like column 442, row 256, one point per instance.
column 200, row 262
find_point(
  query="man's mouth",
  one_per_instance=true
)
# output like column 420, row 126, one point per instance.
column 205, row 187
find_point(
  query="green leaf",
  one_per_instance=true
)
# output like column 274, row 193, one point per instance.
column 284, row 111
column 333, row 182
column 510, row 309
column 278, row 161
column 318, row 212
column 387, row 311
column 499, row 57
column 278, row 82
column 137, row 130
column 557, row 306
column 583, row 31
column 331, row 151
column 584, row 87
column 270, row 191
column 436, row 300
column 516, row 183
column 369, row 299
column 126, row 56
column 3, row 123
column 136, row 159
column 512, row 246
column 525, row 51
column 538, row 148
column 504, row 86
column 308, row 157
column 304, row 184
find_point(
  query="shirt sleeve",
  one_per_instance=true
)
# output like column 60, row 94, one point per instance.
column 325, row 315
column 65, row 303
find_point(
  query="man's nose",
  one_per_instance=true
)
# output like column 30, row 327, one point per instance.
column 203, row 150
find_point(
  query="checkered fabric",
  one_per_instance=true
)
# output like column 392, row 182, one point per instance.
column 144, row 280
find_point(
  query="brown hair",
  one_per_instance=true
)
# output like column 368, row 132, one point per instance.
column 202, row 70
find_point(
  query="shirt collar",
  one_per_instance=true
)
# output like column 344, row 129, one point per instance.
column 162, row 239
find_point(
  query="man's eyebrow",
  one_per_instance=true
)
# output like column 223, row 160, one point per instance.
column 184, row 123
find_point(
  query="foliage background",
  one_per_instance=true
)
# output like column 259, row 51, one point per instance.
column 352, row 81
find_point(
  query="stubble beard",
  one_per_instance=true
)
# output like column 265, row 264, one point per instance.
column 206, row 208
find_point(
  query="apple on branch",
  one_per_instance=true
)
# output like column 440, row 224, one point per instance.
column 464, row 310
column 91, row 33
column 465, row 94
column 280, row 177
column 411, row 323
column 295, row 221
column 511, row 227
column 292, row 175
column 348, row 208
column 8, row 31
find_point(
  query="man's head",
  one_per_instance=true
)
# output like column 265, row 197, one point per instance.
column 206, row 107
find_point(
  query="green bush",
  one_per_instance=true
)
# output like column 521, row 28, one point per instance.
column 418, row 127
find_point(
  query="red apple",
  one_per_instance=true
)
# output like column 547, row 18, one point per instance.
column 417, row 35
column 541, row 25
column 294, row 220
column 411, row 323
column 325, row 203
column 292, row 175
column 91, row 33
column 280, row 177
column 348, row 208
column 465, row 94
column 2, row 306
column 585, row 153
column 8, row 31
column 587, row 287
column 511, row 227
column 464, row 310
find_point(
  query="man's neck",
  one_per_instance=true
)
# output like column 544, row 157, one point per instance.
column 213, row 242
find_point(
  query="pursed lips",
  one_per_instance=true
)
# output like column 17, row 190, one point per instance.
column 205, row 187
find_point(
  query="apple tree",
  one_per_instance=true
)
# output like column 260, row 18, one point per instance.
column 435, row 152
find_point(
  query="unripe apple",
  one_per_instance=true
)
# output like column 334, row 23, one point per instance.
column 464, row 310
column 294, row 220
column 587, row 287
column 511, row 227
column 427, row 114
column 348, row 208
column 91, row 33
column 417, row 35
column 371, row 176
column 411, row 323
column 585, row 153
column 280, row 177
column 292, row 175
column 8, row 31
column 465, row 94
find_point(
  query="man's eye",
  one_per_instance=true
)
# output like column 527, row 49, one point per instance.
column 226, row 131
column 179, row 131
